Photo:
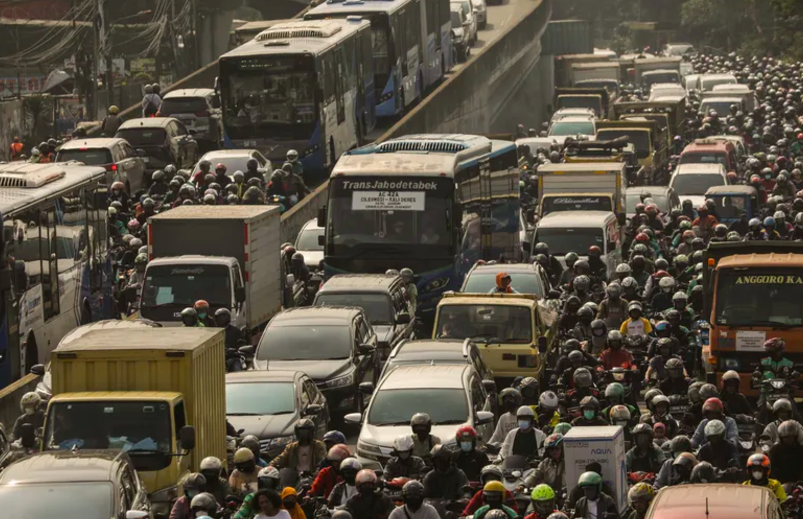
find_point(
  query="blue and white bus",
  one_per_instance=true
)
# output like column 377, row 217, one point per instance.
column 412, row 45
column 55, row 272
column 434, row 203
column 302, row 85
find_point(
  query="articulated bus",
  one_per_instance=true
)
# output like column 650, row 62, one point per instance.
column 434, row 203
column 412, row 45
column 303, row 85
column 55, row 273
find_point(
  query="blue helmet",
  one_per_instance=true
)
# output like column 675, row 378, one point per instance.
column 769, row 221
column 334, row 437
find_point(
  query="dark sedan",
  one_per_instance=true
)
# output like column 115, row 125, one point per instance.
column 164, row 140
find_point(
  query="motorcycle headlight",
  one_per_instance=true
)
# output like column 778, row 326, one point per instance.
column 436, row 284
column 778, row 383
column 337, row 382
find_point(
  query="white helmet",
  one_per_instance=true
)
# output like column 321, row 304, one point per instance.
column 548, row 399
column 211, row 463
column 292, row 155
column 403, row 443
column 525, row 410
column 30, row 400
column 714, row 428
column 268, row 472
column 667, row 283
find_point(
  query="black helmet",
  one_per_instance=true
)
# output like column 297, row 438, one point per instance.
column 304, row 425
column 222, row 317
column 422, row 422
column 252, row 165
column 205, row 166
column 189, row 316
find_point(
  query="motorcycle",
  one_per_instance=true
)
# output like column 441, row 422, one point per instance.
column 515, row 471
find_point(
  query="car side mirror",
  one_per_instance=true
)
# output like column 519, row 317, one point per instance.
column 38, row 370
column 239, row 295
column 353, row 418
column 542, row 345
column 322, row 217
column 248, row 350
column 403, row 318
column 484, row 417
column 186, row 437
column 366, row 349
column 489, row 385
column 313, row 409
column 136, row 514
column 366, row 388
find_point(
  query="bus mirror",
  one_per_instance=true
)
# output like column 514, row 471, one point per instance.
column 322, row 240
column 322, row 217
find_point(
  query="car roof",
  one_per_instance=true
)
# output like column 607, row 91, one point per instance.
column 360, row 283
column 448, row 376
column 228, row 153
column 577, row 118
column 699, row 169
column 429, row 349
column 575, row 219
column 63, row 466
column 319, row 315
column 242, row 377
column 310, row 225
column 730, row 190
column 99, row 142
column 506, row 267
column 189, row 92
column 147, row 122
column 648, row 189
column 722, row 499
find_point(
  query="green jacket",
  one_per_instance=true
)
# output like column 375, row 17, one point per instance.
column 245, row 511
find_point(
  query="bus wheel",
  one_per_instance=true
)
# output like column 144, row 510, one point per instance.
column 31, row 353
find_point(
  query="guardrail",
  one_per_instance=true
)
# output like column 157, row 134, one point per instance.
column 10, row 397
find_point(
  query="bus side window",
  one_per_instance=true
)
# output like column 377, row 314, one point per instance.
column 49, row 258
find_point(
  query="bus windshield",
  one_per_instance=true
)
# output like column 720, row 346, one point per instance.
column 760, row 296
column 269, row 94
column 367, row 215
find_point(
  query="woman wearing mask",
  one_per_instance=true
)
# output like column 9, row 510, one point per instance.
column 193, row 485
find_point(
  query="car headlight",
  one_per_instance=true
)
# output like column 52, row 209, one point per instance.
column 368, row 451
column 337, row 382
column 436, row 284
column 281, row 441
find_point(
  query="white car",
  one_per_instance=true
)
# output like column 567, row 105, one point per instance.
column 666, row 90
column 572, row 112
column 307, row 244
column 707, row 82
column 584, row 127
column 691, row 181
column 452, row 395
column 482, row 13
column 471, row 15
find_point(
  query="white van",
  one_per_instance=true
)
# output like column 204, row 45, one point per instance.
column 576, row 231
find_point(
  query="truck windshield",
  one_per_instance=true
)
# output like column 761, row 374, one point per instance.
column 377, row 306
column 142, row 429
column 759, row 297
column 85, row 500
column 660, row 77
column 486, row 323
column 639, row 138
column 396, row 406
column 182, row 285
column 574, row 239
column 309, row 342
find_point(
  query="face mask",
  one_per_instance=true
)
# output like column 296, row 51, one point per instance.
column 192, row 493
column 202, row 315
column 524, row 425
column 29, row 411
column 414, row 503
column 768, row 177
column 466, row 446
column 757, row 474
column 589, row 414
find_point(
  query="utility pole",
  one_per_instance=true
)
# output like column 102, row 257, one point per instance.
column 98, row 41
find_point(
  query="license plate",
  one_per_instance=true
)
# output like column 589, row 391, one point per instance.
column 677, row 409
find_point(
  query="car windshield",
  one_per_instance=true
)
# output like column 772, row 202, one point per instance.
column 377, row 307
column 729, row 206
column 143, row 136
column 695, row 184
column 574, row 101
column 85, row 500
column 710, row 83
column 570, row 239
column 260, row 398
column 639, row 139
column 759, row 297
column 305, row 342
column 183, row 285
column 90, row 157
column 523, row 282
column 721, row 107
column 564, row 128
column 308, row 239
column 486, row 323
column 704, row 158
column 396, row 406
column 184, row 105
column 635, row 198
column 456, row 20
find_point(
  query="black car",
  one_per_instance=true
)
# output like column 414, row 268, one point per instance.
column 86, row 483
column 164, row 140
column 384, row 299
column 335, row 346
column 268, row 403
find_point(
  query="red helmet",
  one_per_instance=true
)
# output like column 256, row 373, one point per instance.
column 466, row 432
column 758, row 460
column 754, row 179
column 642, row 238
column 199, row 304
column 640, row 207
column 800, row 136
column 702, row 208
column 661, row 274
column 133, row 224
column 688, row 234
column 652, row 209
column 713, row 404
column 774, row 344
column 338, row 452
column 220, row 167
column 594, row 251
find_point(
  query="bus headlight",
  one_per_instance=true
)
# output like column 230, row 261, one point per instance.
column 436, row 284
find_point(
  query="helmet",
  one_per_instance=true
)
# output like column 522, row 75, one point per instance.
column 406, row 273
column 492, row 487
column 496, row 513
column 267, row 474
column 730, row 376
column 223, row 318
column 680, row 443
column 211, row 463
column 365, row 476
column 403, row 443
column 590, row 479
column 589, row 401
column 708, row 391
column 30, row 399
column 250, row 442
column 557, row 515
column 703, row 472
column 466, row 433
column 685, row 459
column 641, row 492
column 714, row 428
column 788, row 428
column 660, row 399
column 759, row 461
column 525, row 410
column 189, row 316
column 562, row 428
column 576, row 357
column 620, row 413
column 782, row 404
column 548, row 399
column 303, row 424
column 204, row 501
column 331, row 436
column 338, row 452
column 350, row 464
column 615, row 389
column 642, row 428
column 774, row 345
column 623, row 268
column 674, row 363
column 511, row 392
column 194, row 480
column 543, row 498
column 650, row 395
column 582, row 378
column 712, row 405
column 413, row 488
column 441, row 452
column 491, row 470
column 243, row 455
column 553, row 440
column 141, row 259
column 422, row 420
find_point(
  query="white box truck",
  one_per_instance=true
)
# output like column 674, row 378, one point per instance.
column 582, row 186
column 604, row 445
column 227, row 255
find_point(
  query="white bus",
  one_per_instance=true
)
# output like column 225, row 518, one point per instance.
column 412, row 45
column 55, row 272
column 303, row 85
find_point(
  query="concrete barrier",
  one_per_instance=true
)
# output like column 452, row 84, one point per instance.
column 305, row 210
column 10, row 397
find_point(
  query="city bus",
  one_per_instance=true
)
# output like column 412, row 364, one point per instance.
column 55, row 272
column 433, row 203
column 302, row 85
column 411, row 42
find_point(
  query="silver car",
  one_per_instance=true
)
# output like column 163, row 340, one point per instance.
column 307, row 244
column 198, row 109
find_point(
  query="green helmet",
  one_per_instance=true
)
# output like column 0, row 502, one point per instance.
column 562, row 428
column 542, row 492
column 141, row 259
column 615, row 389
column 590, row 479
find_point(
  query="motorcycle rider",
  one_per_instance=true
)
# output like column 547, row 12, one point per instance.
column 414, row 506
column 594, row 503
column 674, row 383
column 302, row 455
column 525, row 440
column 31, row 414
column 159, row 187
column 243, row 479
column 468, row 458
column 528, row 387
column 736, row 402
column 613, row 309
column 660, row 414
column 445, row 481
column 546, row 412
column 640, row 496
column 193, row 484
column 408, row 276
column 493, row 494
column 621, row 416
column 589, row 406
column 345, row 489
column 644, row 456
column 329, row 476
column 663, row 352
column 582, row 330
column 677, row 446
column 552, row 469
column 25, row 445
column 714, row 410
column 636, row 326
column 599, row 334
column 488, row 473
column 774, row 365
column 423, row 441
column 543, row 501
column 202, row 308
column 758, row 469
column 234, row 337
column 555, row 268
column 510, row 400
column 682, row 468
column 583, row 386
column 212, row 470
column 716, row 451
column 782, row 410
column 616, row 355
column 369, row 502
column 787, row 453
column 403, row 463
column 189, row 318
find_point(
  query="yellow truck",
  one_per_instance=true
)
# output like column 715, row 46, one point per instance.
column 650, row 143
column 513, row 331
column 156, row 393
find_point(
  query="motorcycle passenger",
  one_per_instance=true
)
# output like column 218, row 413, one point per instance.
column 621, row 416
column 674, row 383
column 640, row 496
column 660, row 414
column 202, row 308
column 302, row 455
column 703, row 473
column 590, row 408
column 234, row 336
column 552, row 469
column 445, row 481
column 525, row 440
column 369, row 502
column 787, row 454
column 189, row 318
column 510, row 399
column 243, row 479
column 758, row 469
column 216, row 484
column 781, row 411
column 599, row 334
column 546, row 412
column 329, row 476
column 488, row 473
column 682, row 468
column 677, row 446
column 594, row 503
column 252, row 442
column 644, row 456
column 582, row 330
column 346, row 489
column 423, row 441
column 493, row 494
column 714, row 410
column 403, row 464
column 414, row 506
column 716, row 451
column 736, row 402
column 528, row 387
column 468, row 458
column 31, row 414
column 554, row 269
column 543, row 501
column 616, row 355
column 193, row 484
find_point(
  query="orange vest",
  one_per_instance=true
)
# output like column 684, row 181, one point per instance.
column 16, row 150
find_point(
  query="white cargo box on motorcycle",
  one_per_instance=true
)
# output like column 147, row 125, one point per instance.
column 604, row 445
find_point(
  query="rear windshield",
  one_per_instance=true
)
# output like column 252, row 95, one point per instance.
column 639, row 139
column 97, row 157
column 143, row 136
column 183, row 105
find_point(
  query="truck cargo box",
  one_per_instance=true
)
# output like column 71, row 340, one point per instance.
column 604, row 445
